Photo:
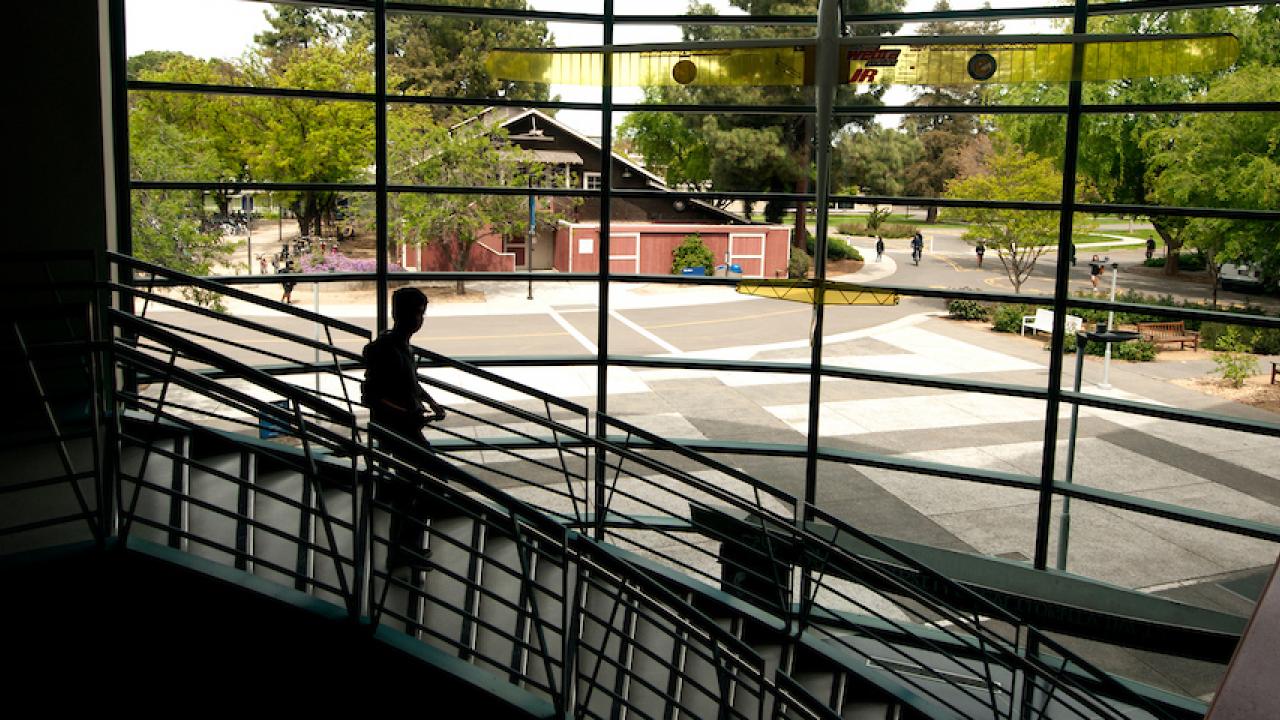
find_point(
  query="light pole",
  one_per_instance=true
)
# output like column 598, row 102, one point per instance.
column 1082, row 339
column 528, row 243
column 1111, row 316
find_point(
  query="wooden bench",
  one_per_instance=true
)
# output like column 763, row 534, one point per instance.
column 1169, row 332
column 1042, row 321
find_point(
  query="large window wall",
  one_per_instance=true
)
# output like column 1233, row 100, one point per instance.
column 922, row 427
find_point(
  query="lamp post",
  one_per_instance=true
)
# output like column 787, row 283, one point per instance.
column 1082, row 339
column 528, row 243
column 1111, row 316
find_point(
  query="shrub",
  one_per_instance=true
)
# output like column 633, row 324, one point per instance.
column 692, row 253
column 962, row 309
column 837, row 248
column 1134, row 351
column 800, row 263
column 1266, row 341
column 1261, row 341
column 897, row 230
column 339, row 263
column 850, row 228
column 1234, row 361
column 1192, row 262
column 1008, row 318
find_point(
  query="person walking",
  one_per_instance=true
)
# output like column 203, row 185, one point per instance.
column 289, row 267
column 1095, row 271
column 879, row 248
column 397, row 402
column 1151, row 246
column 980, row 250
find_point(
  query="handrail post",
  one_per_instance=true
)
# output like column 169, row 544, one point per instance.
column 569, row 589
column 361, row 561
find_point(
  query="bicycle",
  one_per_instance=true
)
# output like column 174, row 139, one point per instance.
column 915, row 255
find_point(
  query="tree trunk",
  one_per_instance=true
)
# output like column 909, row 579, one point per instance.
column 931, row 215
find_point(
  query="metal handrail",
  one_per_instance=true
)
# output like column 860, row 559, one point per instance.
column 182, row 278
column 586, row 554
column 622, row 451
column 1005, row 649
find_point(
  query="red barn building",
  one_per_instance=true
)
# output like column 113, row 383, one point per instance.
column 644, row 232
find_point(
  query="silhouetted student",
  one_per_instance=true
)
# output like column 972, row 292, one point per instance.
column 1095, row 270
column 879, row 248
column 1151, row 246
column 980, row 250
column 289, row 267
column 397, row 402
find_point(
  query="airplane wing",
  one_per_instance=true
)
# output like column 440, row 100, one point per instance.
column 914, row 61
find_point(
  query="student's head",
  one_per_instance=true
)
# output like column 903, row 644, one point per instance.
column 1095, row 257
column 408, row 305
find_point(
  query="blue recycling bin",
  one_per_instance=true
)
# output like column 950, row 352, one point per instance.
column 699, row 270
column 268, row 427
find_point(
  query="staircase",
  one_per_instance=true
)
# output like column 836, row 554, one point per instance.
column 606, row 575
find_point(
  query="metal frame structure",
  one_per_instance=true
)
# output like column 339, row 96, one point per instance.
column 829, row 26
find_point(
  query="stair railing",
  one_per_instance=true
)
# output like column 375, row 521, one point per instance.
column 62, row 338
column 574, row 668
column 974, row 651
column 150, row 351
column 643, row 517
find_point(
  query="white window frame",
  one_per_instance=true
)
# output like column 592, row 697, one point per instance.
column 587, row 178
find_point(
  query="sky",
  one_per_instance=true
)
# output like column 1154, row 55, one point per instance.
column 225, row 29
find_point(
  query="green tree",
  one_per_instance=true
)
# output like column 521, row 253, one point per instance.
column 951, row 145
column 1113, row 154
column 427, row 153
column 444, row 55
column 218, row 119
column 1019, row 237
column 302, row 140
column 298, row 28
column 167, row 227
column 873, row 160
column 1224, row 161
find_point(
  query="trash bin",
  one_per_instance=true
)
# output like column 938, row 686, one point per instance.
column 699, row 270
column 268, row 427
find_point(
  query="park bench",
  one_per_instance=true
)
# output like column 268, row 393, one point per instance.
column 1169, row 332
column 1042, row 321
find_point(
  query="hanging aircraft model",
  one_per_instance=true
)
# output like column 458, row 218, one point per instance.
column 944, row 60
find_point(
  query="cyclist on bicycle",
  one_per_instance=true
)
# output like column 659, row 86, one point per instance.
column 917, row 247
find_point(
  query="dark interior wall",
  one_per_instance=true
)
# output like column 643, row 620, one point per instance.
column 116, row 628
column 59, row 135
column 57, row 192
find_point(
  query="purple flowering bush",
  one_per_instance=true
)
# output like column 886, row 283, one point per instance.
column 339, row 263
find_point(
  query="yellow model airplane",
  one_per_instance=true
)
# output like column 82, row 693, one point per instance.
column 805, row 291
column 949, row 60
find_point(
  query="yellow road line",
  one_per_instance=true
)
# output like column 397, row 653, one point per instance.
column 721, row 320
column 952, row 263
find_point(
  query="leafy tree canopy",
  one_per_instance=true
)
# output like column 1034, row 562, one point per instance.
column 1225, row 160
column 873, row 160
column 1019, row 237
column 1113, row 153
